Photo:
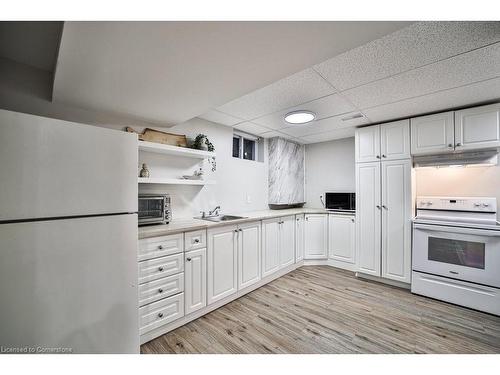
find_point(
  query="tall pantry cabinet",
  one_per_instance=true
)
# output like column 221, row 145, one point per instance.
column 383, row 201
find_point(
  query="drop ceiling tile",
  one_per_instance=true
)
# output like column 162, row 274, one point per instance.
column 329, row 136
column 414, row 46
column 287, row 92
column 457, row 71
column 327, row 106
column 440, row 101
column 252, row 128
column 220, row 118
column 328, row 124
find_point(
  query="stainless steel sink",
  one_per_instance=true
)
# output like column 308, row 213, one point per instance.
column 219, row 218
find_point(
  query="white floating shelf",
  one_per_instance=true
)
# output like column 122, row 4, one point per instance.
column 173, row 181
column 174, row 150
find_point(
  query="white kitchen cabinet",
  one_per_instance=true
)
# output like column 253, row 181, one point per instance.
column 432, row 134
column 395, row 140
column 367, row 144
column 195, row 274
column 341, row 241
column 316, row 236
column 249, row 252
column 222, row 267
column 368, row 218
column 287, row 241
column 270, row 246
column 299, row 237
column 477, row 127
column 396, row 220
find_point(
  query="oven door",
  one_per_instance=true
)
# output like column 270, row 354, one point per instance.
column 461, row 253
column 151, row 210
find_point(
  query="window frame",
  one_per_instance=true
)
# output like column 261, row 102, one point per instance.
column 249, row 137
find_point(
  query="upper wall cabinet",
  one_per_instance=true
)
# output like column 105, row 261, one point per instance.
column 368, row 144
column 389, row 141
column 477, row 127
column 432, row 134
column 467, row 129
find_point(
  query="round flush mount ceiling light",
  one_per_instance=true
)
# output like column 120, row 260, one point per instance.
column 299, row 117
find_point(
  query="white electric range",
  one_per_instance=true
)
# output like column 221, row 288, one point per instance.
column 456, row 251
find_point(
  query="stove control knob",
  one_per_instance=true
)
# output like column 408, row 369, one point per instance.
column 429, row 203
column 485, row 204
column 477, row 204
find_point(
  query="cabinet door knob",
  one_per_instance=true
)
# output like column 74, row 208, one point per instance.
column 384, row 207
column 378, row 156
column 459, row 144
column 352, row 220
column 378, row 206
column 236, row 231
column 160, row 290
column 450, row 145
column 160, row 269
column 160, row 315
column 160, row 247
column 196, row 240
column 188, row 259
column 384, row 156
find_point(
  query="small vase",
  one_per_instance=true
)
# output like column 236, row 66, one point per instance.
column 144, row 171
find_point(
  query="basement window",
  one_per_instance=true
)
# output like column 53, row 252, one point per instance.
column 245, row 146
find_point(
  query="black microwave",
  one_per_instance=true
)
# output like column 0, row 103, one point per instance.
column 340, row 201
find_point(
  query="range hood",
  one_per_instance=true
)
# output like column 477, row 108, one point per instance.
column 484, row 157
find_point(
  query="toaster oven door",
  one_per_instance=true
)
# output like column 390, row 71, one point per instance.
column 151, row 210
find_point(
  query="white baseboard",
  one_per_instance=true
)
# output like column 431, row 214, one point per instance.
column 399, row 284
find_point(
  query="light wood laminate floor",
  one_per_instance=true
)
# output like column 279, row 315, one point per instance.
column 320, row 309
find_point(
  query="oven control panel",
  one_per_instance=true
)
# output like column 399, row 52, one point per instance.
column 473, row 204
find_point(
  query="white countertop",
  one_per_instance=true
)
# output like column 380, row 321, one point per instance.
column 189, row 224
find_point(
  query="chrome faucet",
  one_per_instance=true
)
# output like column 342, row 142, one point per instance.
column 214, row 212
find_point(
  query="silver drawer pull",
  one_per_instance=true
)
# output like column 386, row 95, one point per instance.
column 188, row 259
column 160, row 290
column 160, row 269
column 196, row 240
column 160, row 247
column 160, row 315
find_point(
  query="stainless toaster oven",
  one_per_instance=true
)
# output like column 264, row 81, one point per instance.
column 154, row 209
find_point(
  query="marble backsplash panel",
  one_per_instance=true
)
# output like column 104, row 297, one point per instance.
column 286, row 172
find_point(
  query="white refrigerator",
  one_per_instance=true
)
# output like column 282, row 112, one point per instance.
column 68, row 237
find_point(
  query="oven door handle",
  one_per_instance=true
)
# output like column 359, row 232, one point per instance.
column 458, row 230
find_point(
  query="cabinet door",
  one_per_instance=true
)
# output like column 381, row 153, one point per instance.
column 316, row 236
column 477, row 127
column 432, row 134
column 368, row 217
column 287, row 241
column 195, row 280
column 299, row 237
column 222, row 263
column 249, row 245
column 341, row 235
column 368, row 144
column 270, row 246
column 396, row 220
column 395, row 140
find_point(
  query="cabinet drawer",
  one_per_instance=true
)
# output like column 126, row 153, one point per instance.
column 155, row 247
column 154, row 269
column 161, row 288
column 195, row 240
column 160, row 313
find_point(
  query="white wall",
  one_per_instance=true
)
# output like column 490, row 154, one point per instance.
column 329, row 167
column 241, row 185
column 462, row 181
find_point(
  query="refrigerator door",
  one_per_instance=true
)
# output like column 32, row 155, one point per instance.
column 53, row 168
column 70, row 284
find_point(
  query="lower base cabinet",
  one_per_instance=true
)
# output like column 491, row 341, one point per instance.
column 195, row 274
column 341, row 237
column 249, row 253
column 278, row 244
column 222, row 263
column 316, row 236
